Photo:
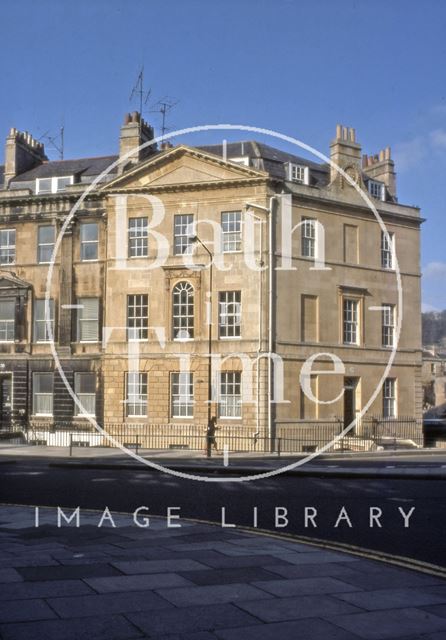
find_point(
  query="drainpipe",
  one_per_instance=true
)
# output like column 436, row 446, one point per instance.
column 269, row 211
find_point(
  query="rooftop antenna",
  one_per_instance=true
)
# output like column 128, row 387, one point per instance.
column 164, row 106
column 139, row 91
column 57, row 141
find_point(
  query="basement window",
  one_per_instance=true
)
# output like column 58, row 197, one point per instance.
column 53, row 185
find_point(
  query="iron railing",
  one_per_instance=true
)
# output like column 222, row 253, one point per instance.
column 369, row 434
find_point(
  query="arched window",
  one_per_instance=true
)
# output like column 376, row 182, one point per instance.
column 183, row 311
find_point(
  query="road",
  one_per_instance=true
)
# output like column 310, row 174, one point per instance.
column 33, row 481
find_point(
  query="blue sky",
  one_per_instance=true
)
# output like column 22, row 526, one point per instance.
column 298, row 67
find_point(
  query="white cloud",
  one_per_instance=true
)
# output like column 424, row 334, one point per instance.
column 409, row 154
column 438, row 138
column 435, row 270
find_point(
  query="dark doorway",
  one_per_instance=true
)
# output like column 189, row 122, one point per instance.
column 350, row 408
column 5, row 402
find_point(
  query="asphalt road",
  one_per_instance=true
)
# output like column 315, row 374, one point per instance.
column 33, row 481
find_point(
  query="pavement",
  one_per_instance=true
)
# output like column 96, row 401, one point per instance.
column 421, row 463
column 198, row 582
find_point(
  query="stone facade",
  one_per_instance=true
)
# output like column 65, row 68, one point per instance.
column 297, row 313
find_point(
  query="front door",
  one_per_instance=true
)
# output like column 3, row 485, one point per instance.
column 5, row 402
column 350, row 392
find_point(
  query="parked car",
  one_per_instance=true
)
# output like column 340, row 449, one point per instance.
column 434, row 428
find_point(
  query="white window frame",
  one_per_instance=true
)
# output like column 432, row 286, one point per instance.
column 351, row 326
column 41, row 321
column 44, row 245
column 84, row 243
column 7, row 248
column 41, row 394
column 181, row 395
column 387, row 250
column 390, row 399
column 81, row 320
column 136, row 394
column 137, row 317
column 298, row 173
column 54, row 188
column 88, row 400
column 388, row 325
column 138, row 237
column 229, row 314
column 183, row 311
column 377, row 189
column 231, row 231
column 308, row 238
column 230, row 401
column 7, row 326
column 182, row 226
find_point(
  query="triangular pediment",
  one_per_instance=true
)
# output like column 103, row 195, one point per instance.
column 181, row 166
column 11, row 281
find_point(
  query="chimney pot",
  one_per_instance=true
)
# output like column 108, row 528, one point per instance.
column 381, row 155
column 338, row 132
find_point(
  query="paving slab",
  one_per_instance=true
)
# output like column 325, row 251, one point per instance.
column 200, row 583
column 193, row 618
column 97, row 628
column 109, row 603
column 137, row 582
column 382, row 625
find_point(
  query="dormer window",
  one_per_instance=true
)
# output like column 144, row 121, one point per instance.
column 377, row 189
column 53, row 185
column 298, row 173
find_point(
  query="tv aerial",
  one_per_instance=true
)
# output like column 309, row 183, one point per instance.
column 57, row 141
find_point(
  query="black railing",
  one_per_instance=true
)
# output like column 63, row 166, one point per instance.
column 369, row 434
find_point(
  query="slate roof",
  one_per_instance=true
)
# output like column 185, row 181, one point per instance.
column 79, row 167
column 270, row 159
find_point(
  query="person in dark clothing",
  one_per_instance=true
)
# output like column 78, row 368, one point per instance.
column 211, row 440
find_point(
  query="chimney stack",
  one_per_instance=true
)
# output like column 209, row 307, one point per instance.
column 22, row 152
column 344, row 150
column 134, row 132
column 381, row 167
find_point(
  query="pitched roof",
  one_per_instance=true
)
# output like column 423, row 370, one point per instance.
column 79, row 167
column 270, row 159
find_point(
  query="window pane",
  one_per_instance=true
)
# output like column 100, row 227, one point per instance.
column 182, row 395
column 46, row 234
column 308, row 237
column 230, row 404
column 138, row 237
column 231, row 227
column 182, row 230
column 85, row 389
column 40, row 326
column 137, row 317
column 44, row 185
column 7, row 317
column 88, row 319
column 89, row 231
column 45, row 243
column 230, row 314
column 183, row 311
column 136, row 399
column 7, row 246
column 43, row 393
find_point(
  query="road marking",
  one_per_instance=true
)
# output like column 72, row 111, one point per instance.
column 390, row 466
column 225, row 455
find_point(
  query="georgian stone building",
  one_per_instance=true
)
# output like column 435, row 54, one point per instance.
column 148, row 334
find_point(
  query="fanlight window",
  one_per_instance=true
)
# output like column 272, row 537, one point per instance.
column 183, row 311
